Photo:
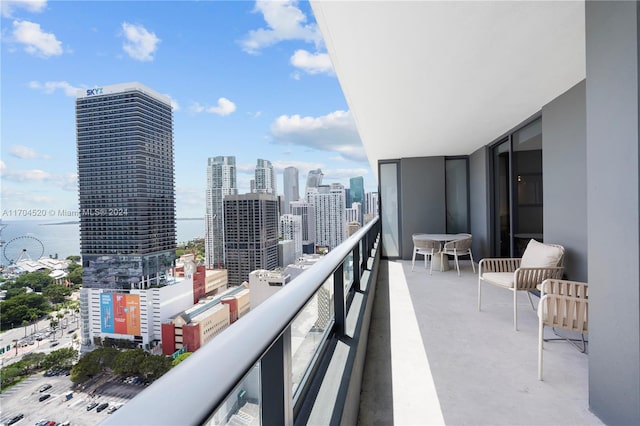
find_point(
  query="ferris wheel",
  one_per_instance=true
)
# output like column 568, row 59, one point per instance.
column 21, row 248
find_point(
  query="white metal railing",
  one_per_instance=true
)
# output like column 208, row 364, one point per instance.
column 251, row 363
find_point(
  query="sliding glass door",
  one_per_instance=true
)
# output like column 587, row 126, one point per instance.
column 517, row 190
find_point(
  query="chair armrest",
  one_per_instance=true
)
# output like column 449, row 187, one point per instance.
column 530, row 278
column 501, row 264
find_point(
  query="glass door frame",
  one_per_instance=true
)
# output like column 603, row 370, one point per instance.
column 505, row 138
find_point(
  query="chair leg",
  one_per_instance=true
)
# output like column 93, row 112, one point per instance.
column 430, row 264
column 515, row 309
column 413, row 260
column 425, row 261
column 540, row 344
column 531, row 301
column 472, row 265
column 457, row 265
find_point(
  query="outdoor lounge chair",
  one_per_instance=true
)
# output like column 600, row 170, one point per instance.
column 426, row 248
column 563, row 305
column 539, row 262
column 457, row 248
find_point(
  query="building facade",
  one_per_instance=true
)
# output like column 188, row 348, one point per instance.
column 307, row 213
column 126, row 188
column 314, row 179
column 291, row 184
column 251, row 234
column 329, row 205
column 265, row 178
column 356, row 193
column 291, row 229
column 221, row 181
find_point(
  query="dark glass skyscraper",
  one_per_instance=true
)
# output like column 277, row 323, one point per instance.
column 356, row 193
column 126, row 186
column 250, row 234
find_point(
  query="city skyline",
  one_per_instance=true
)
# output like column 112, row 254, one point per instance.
column 250, row 80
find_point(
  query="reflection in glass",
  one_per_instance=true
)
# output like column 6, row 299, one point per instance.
column 242, row 406
column 309, row 330
column 389, row 209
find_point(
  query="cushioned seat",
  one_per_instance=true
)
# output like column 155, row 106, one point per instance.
column 538, row 263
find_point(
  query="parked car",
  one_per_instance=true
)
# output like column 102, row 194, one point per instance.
column 44, row 397
column 113, row 408
column 91, row 405
column 15, row 419
column 102, row 406
column 44, row 387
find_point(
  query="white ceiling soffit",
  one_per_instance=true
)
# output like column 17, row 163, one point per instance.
column 429, row 78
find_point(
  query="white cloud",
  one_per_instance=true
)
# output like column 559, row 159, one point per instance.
column 302, row 166
column 312, row 63
column 224, row 107
column 25, row 152
column 175, row 106
column 285, row 21
column 50, row 87
column 66, row 181
column 36, row 41
column 334, row 132
column 140, row 44
column 340, row 174
column 34, row 6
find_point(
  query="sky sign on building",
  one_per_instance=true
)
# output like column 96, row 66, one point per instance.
column 120, row 313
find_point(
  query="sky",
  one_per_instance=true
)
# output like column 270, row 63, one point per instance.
column 249, row 79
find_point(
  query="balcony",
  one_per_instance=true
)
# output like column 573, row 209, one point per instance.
column 400, row 347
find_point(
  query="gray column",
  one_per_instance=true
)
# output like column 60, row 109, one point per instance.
column 613, row 177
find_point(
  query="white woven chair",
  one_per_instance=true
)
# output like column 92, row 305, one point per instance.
column 458, row 248
column 563, row 305
column 425, row 247
column 539, row 262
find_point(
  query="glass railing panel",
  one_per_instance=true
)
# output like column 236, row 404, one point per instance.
column 308, row 331
column 242, row 406
column 348, row 272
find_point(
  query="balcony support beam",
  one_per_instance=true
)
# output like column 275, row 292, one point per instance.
column 275, row 379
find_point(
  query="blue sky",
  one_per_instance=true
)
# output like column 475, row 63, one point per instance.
column 250, row 79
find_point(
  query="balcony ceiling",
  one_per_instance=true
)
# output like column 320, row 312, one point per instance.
column 427, row 78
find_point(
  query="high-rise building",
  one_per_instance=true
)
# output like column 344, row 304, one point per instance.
column 265, row 177
column 291, row 188
column 353, row 213
column 314, row 179
column 329, row 203
column 221, row 181
column 291, row 229
column 307, row 212
column 371, row 205
column 250, row 234
column 126, row 193
column 356, row 193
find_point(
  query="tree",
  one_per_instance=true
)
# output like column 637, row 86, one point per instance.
column 56, row 293
column 73, row 258
column 63, row 357
column 18, row 308
column 181, row 358
column 33, row 360
column 129, row 362
column 35, row 280
column 155, row 366
column 75, row 276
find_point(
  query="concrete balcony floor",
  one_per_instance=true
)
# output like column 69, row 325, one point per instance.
column 432, row 358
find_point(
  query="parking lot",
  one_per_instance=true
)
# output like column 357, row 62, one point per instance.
column 64, row 404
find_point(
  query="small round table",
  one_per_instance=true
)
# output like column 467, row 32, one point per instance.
column 440, row 262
